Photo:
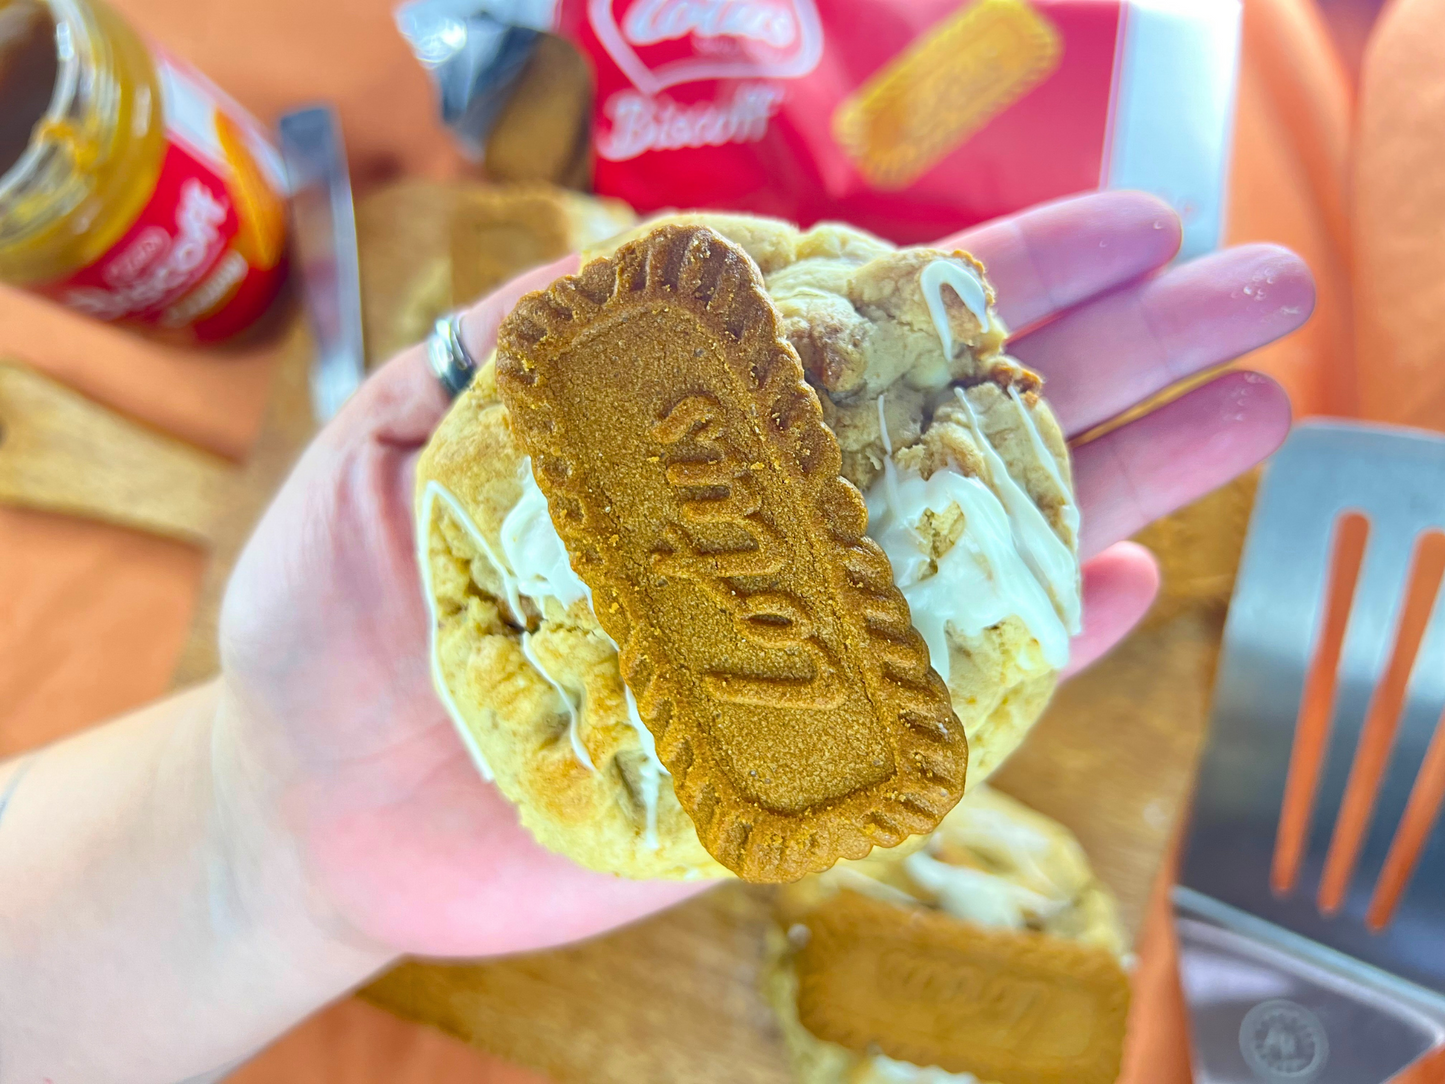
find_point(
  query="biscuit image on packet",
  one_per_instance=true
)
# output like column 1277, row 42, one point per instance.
column 969, row 495
column 689, row 471
column 990, row 949
column 944, row 88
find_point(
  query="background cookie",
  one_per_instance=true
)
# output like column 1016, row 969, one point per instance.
column 993, row 862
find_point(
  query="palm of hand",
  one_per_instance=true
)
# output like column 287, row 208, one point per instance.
column 324, row 631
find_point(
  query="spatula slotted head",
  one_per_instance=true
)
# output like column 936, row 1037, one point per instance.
column 1331, row 829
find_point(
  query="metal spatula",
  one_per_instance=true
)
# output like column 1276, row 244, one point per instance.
column 1281, row 986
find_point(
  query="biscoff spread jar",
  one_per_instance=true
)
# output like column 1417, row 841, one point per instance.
column 131, row 189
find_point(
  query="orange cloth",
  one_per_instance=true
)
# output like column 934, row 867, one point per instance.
column 94, row 616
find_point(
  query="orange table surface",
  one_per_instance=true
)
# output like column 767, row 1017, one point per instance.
column 1353, row 179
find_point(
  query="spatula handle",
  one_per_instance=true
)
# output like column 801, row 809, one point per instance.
column 1269, row 1007
column 61, row 452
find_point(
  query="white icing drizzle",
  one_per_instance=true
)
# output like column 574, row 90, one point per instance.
column 890, row 473
column 869, row 886
column 1050, row 560
column 652, row 769
column 978, row 896
column 977, row 583
column 1016, row 886
column 884, row 1070
column 1068, row 510
column 966, row 285
column 434, row 492
column 535, row 566
column 534, row 550
column 578, row 749
column 1008, row 560
column 1007, row 839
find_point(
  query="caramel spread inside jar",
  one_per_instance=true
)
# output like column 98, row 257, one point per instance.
column 27, row 75
column 131, row 189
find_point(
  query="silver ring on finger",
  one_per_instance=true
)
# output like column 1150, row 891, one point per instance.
column 448, row 356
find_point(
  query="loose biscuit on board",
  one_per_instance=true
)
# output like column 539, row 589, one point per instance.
column 923, row 987
column 687, row 467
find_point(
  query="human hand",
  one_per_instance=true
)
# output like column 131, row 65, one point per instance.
column 324, row 633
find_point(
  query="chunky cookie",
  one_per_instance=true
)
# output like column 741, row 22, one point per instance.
column 689, row 472
column 973, row 506
column 990, row 951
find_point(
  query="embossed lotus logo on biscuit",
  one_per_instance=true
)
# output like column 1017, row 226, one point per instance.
column 758, row 628
column 662, row 43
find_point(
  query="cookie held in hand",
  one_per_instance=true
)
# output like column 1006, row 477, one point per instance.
column 690, row 474
column 970, row 496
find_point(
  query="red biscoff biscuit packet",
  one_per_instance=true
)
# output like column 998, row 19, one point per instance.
column 911, row 120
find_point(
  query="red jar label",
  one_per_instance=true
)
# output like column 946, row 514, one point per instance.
column 207, row 251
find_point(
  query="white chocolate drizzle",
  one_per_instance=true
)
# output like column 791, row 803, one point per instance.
column 534, row 550
column 887, row 1071
column 965, row 284
column 976, row 896
column 977, row 583
column 1050, row 560
column 981, row 895
column 1068, row 510
column 652, row 769
column 1008, row 560
column 533, row 564
column 434, row 492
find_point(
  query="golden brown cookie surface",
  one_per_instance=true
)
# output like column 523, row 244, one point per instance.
column 688, row 469
column 924, row 988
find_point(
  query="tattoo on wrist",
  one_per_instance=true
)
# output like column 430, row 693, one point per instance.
column 7, row 791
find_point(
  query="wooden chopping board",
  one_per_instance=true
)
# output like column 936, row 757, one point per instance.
column 673, row 998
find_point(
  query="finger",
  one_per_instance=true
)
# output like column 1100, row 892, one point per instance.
column 402, row 402
column 1119, row 586
column 1105, row 356
column 1176, row 454
column 1054, row 256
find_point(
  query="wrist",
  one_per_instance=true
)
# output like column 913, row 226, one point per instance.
column 184, row 899
column 262, row 875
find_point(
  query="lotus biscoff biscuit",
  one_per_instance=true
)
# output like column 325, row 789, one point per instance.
column 991, row 949
column 924, row 988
